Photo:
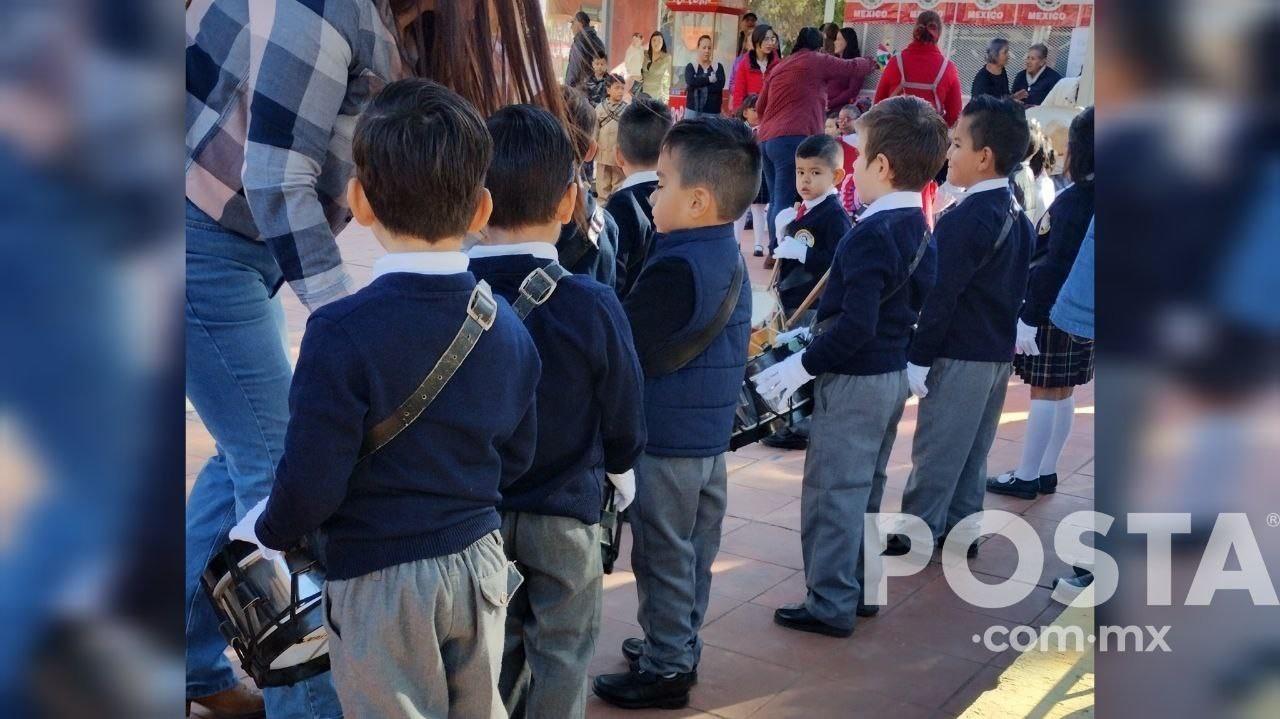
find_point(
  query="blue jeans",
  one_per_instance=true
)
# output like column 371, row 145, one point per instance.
column 780, row 177
column 238, row 380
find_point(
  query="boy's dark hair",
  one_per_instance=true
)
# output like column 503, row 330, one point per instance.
column 583, row 18
column 419, row 139
column 821, row 146
column 641, row 128
column 1080, row 147
column 533, row 164
column 582, row 120
column 599, row 56
column 612, row 79
column 721, row 155
column 911, row 133
column 1000, row 124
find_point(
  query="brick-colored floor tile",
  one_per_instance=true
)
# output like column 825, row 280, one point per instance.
column 986, row 679
column 770, row 476
column 819, row 698
column 787, row 516
column 744, row 578
column 751, row 503
column 735, row 685
column 766, row 543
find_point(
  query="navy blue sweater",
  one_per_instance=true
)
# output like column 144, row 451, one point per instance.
column 590, row 397
column 434, row 489
column 971, row 313
column 871, row 261
column 631, row 210
column 1058, row 242
column 826, row 224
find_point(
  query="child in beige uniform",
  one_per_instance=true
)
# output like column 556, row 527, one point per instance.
column 608, row 169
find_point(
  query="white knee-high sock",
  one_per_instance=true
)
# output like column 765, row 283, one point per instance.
column 1064, row 414
column 1039, row 428
column 739, row 226
column 760, row 223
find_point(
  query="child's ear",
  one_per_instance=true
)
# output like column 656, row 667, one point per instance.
column 591, row 152
column 484, row 208
column 885, row 173
column 361, row 210
column 568, row 203
column 702, row 204
column 838, row 174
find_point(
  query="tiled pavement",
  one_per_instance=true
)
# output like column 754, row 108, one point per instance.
column 916, row 659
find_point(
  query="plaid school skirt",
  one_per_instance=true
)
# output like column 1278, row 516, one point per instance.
column 1064, row 360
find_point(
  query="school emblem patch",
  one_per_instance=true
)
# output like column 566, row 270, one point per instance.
column 806, row 237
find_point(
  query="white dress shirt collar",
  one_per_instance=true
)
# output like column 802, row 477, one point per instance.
column 636, row 178
column 421, row 263
column 893, row 201
column 541, row 250
column 810, row 204
column 998, row 183
column 1031, row 79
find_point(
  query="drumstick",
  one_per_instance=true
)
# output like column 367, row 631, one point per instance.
column 809, row 300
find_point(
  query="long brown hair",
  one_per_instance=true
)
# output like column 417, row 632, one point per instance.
column 454, row 45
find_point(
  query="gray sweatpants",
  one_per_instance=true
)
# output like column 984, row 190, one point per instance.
column 675, row 526
column 855, row 421
column 553, row 620
column 422, row 639
column 957, row 423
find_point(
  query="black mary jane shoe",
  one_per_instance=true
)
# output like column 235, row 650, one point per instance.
column 638, row 689
column 797, row 616
column 1010, row 485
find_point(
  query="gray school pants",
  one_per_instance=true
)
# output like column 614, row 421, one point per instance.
column 553, row 620
column 675, row 525
column 855, row 421
column 957, row 423
column 422, row 639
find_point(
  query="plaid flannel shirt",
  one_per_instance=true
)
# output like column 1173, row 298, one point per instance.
column 274, row 88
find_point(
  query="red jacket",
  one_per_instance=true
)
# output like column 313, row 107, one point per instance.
column 922, row 62
column 794, row 98
column 748, row 80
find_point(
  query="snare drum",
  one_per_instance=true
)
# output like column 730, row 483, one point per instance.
column 270, row 612
column 755, row 418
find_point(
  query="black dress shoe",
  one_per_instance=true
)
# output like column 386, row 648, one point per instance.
column 798, row 617
column 642, row 690
column 786, row 439
column 867, row 610
column 633, row 649
column 897, row 545
column 971, row 551
column 1048, row 483
column 1010, row 485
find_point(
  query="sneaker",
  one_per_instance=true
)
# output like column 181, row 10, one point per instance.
column 1014, row 487
column 1066, row 589
column 638, row 689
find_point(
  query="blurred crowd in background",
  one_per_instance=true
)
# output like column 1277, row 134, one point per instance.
column 91, row 401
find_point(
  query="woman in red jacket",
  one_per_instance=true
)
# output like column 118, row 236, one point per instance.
column 792, row 106
column 750, row 69
column 922, row 70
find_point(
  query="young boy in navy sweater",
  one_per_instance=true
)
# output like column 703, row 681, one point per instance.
column 961, row 354
column 640, row 131
column 692, row 297
column 418, row 582
column 807, row 242
column 589, row 248
column 881, row 273
column 590, row 415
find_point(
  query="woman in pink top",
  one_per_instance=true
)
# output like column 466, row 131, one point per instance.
column 922, row 70
column 751, row 68
column 792, row 106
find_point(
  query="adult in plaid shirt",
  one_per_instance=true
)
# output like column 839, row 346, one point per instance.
column 274, row 88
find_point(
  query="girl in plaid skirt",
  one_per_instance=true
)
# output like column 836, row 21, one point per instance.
column 1049, row 359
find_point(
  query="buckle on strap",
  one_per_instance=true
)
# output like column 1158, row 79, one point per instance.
column 482, row 308
column 537, row 286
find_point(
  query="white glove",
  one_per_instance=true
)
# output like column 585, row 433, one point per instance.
column 778, row 383
column 624, row 486
column 1026, row 342
column 245, row 531
column 791, row 249
column 783, row 338
column 916, row 376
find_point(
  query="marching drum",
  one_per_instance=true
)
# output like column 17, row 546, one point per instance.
column 271, row 612
column 755, row 418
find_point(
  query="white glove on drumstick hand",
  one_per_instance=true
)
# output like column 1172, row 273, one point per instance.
column 778, row 383
column 916, row 377
column 245, row 531
column 1026, row 341
column 624, row 486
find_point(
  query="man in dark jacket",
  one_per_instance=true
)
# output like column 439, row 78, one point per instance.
column 1032, row 85
column 586, row 45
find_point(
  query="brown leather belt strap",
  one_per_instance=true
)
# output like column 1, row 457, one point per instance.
column 537, row 288
column 481, row 311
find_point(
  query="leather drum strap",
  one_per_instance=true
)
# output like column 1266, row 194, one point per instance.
column 826, row 324
column 537, row 288
column 481, row 311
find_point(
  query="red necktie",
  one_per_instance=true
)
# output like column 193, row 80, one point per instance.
column 802, row 209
